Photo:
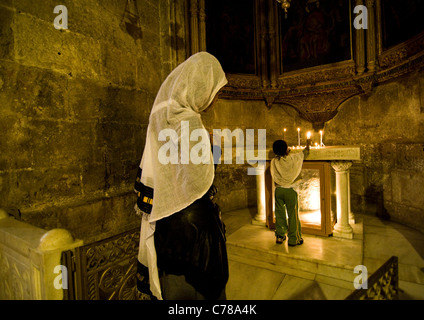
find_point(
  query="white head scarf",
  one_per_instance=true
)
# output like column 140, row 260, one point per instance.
column 189, row 89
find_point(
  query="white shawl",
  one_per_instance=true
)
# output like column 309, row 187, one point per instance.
column 189, row 89
column 286, row 170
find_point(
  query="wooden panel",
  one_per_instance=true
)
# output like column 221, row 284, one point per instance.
column 326, row 227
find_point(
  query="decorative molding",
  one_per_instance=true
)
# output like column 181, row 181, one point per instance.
column 341, row 166
column 270, row 97
column 320, row 106
column 15, row 277
column 400, row 53
column 243, row 81
column 312, row 76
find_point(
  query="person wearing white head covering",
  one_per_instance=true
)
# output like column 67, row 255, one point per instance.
column 181, row 233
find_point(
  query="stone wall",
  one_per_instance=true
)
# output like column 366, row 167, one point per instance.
column 74, row 108
column 389, row 126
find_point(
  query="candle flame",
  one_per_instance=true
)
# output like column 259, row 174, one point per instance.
column 308, row 135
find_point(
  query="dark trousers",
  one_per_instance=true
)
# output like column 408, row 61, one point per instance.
column 286, row 199
column 174, row 287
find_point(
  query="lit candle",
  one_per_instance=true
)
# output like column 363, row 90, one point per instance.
column 308, row 138
column 298, row 136
column 320, row 133
column 284, row 135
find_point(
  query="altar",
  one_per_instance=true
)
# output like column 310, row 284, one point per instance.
column 314, row 191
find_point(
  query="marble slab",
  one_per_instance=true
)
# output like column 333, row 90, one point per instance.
column 325, row 256
column 327, row 153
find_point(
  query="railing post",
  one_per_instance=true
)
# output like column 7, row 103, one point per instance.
column 30, row 260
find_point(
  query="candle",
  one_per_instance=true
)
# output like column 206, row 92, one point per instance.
column 308, row 138
column 284, row 135
column 298, row 136
column 320, row 133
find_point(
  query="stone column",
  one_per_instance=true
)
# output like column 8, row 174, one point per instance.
column 194, row 26
column 360, row 47
column 352, row 219
column 342, row 228
column 371, row 43
column 260, row 218
column 202, row 26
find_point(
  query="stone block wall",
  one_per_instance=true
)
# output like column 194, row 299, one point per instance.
column 388, row 125
column 74, row 109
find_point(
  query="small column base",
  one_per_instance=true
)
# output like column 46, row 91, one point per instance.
column 345, row 232
column 259, row 221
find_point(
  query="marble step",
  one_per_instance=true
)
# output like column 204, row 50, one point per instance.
column 327, row 260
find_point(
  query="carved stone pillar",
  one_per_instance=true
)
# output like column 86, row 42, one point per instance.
column 260, row 218
column 263, row 42
column 371, row 37
column 351, row 214
column 273, row 42
column 360, row 47
column 202, row 26
column 194, row 26
column 342, row 228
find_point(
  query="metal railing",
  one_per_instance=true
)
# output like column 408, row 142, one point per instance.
column 104, row 270
column 107, row 270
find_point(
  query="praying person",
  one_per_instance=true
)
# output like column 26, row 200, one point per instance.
column 285, row 171
column 182, row 253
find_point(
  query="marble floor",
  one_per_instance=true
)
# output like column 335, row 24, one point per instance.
column 323, row 267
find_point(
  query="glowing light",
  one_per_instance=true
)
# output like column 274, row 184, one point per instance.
column 309, row 198
column 311, row 217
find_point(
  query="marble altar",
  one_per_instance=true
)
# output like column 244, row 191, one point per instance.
column 340, row 158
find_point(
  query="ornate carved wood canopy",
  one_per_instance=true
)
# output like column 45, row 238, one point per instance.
column 315, row 92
